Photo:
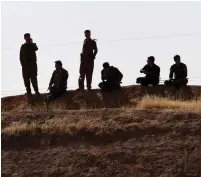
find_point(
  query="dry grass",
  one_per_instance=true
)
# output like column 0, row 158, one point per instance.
column 62, row 126
column 17, row 129
column 97, row 125
column 149, row 102
column 52, row 126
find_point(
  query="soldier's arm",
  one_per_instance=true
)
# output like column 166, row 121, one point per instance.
column 171, row 73
column 158, row 72
column 143, row 69
column 35, row 47
column 120, row 75
column 66, row 78
column 52, row 79
column 82, row 49
column 95, row 49
column 102, row 76
column 21, row 55
column 185, row 71
column 154, row 73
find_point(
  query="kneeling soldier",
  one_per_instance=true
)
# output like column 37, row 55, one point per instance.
column 111, row 78
column 152, row 72
column 179, row 70
column 58, row 82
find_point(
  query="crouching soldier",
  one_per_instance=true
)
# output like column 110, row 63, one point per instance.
column 111, row 78
column 152, row 72
column 58, row 82
column 179, row 70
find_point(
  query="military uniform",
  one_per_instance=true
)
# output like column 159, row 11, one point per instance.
column 111, row 78
column 87, row 63
column 29, row 65
column 180, row 75
column 152, row 77
column 58, row 83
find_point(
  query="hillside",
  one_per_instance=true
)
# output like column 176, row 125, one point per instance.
column 72, row 100
column 110, row 136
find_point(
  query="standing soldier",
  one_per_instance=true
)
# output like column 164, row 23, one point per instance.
column 29, row 64
column 88, row 55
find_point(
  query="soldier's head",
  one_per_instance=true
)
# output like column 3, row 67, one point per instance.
column 87, row 33
column 58, row 64
column 177, row 59
column 27, row 37
column 150, row 60
column 106, row 65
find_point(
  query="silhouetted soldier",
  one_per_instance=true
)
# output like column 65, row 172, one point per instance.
column 179, row 70
column 88, row 55
column 29, row 63
column 58, row 82
column 111, row 78
column 152, row 72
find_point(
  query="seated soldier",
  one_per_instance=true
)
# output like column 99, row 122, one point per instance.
column 58, row 82
column 111, row 78
column 152, row 72
column 179, row 70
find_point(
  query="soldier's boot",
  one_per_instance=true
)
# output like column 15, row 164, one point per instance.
column 139, row 79
column 34, row 82
column 28, row 89
column 81, row 83
column 37, row 93
column 27, row 85
column 103, row 86
column 89, row 79
column 81, row 77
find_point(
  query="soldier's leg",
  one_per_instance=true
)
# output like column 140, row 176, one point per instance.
column 26, row 78
column 116, row 86
column 50, row 95
column 177, row 83
column 154, row 81
column 104, row 86
column 181, row 82
column 167, row 82
column 34, row 80
column 56, row 92
column 101, row 84
column 145, row 82
column 82, row 76
column 89, row 74
column 139, row 79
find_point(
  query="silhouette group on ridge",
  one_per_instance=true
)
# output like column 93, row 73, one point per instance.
column 111, row 76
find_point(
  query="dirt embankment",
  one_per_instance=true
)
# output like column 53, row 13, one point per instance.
column 102, row 142
column 72, row 100
column 81, row 135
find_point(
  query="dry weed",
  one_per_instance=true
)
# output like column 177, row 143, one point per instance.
column 149, row 102
column 17, row 129
column 61, row 126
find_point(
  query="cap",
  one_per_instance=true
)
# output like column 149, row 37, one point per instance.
column 87, row 31
column 58, row 62
column 151, row 58
column 106, row 64
column 27, row 35
column 176, row 57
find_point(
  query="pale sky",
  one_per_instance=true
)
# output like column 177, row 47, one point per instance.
column 58, row 29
